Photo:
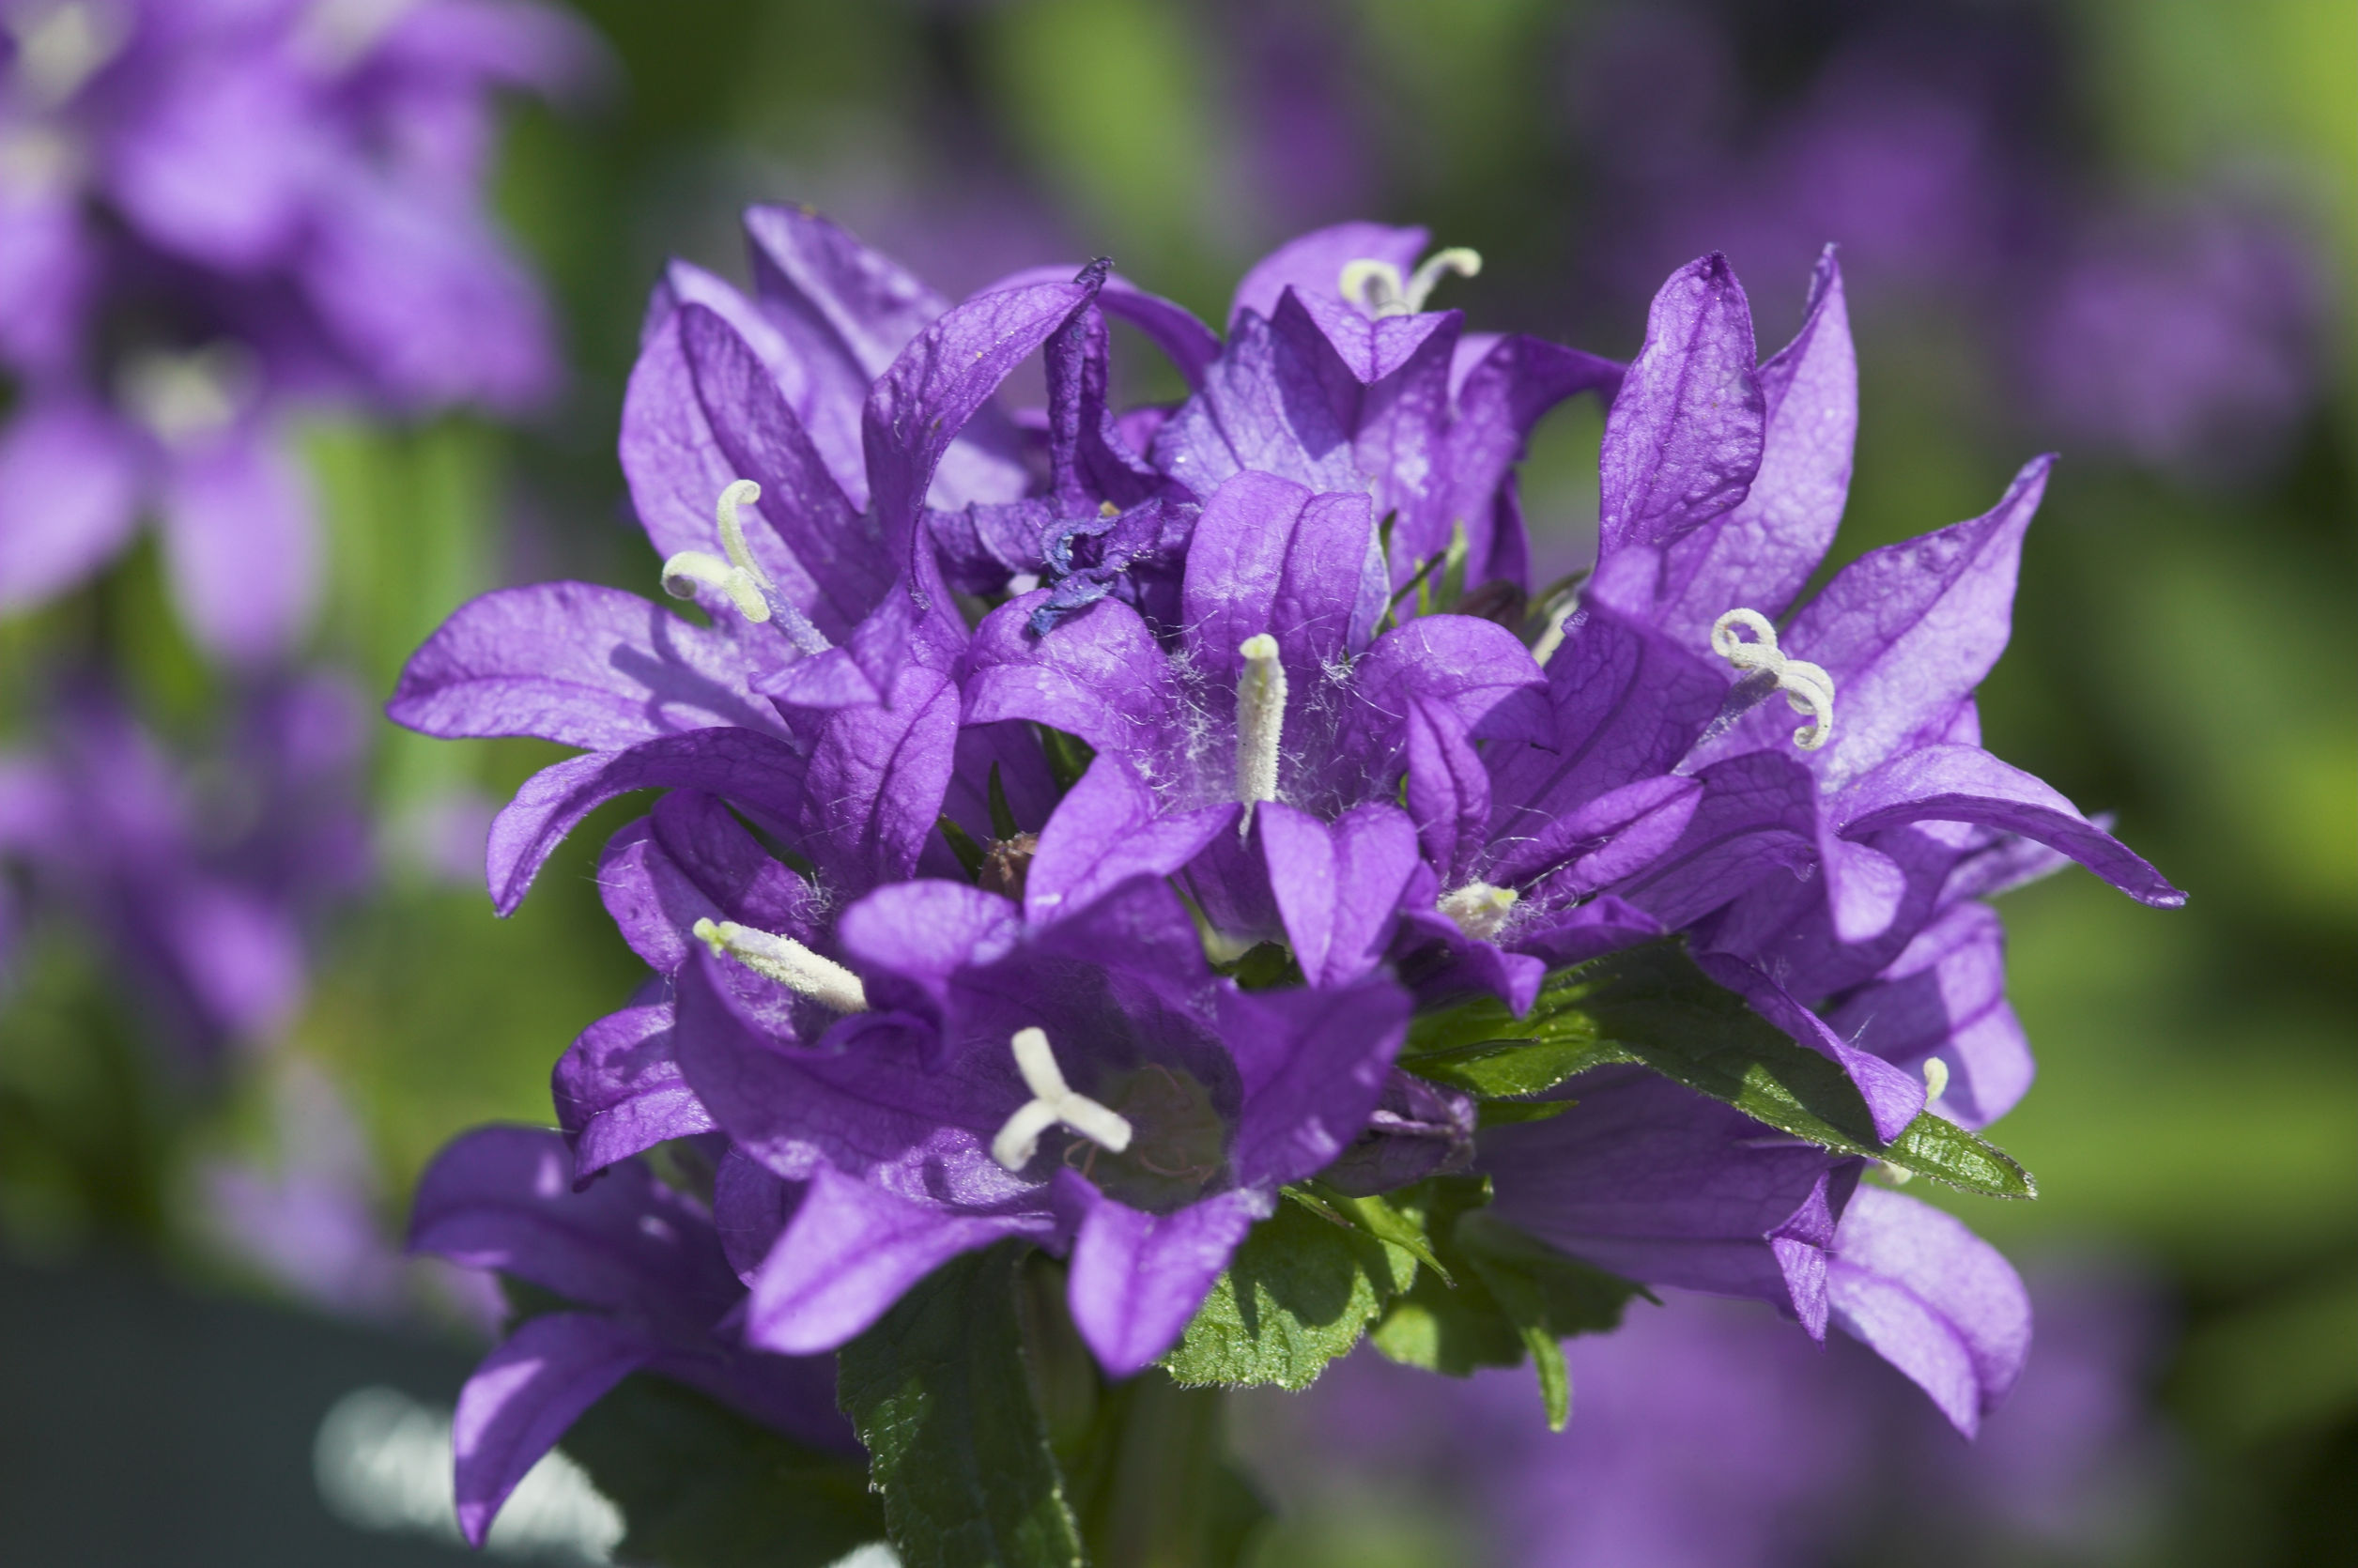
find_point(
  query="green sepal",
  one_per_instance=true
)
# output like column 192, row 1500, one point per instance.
column 1299, row 1293
column 1653, row 1006
column 1371, row 1214
column 1264, row 966
column 701, row 1486
column 940, row 1394
column 1069, row 756
column 1002, row 815
column 963, row 845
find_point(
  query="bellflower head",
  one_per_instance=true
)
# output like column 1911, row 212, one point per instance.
column 212, row 216
column 1080, row 827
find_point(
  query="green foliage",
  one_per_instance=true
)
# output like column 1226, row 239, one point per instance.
column 1298, row 1294
column 701, row 1486
column 1650, row 1005
column 1503, row 1295
column 939, row 1392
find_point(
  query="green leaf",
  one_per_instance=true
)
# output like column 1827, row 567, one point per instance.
column 1653, row 1006
column 1514, row 1295
column 1298, row 1294
column 939, row 1392
column 1373, row 1215
column 1502, row 1069
column 1002, row 815
column 701, row 1486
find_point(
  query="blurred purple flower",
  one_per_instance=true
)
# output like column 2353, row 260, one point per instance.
column 1704, row 1436
column 216, row 214
column 2186, row 340
column 199, row 881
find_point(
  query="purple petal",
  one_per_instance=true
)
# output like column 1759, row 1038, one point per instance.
column 1966, row 784
column 1503, row 394
column 1655, row 1182
column 1758, row 815
column 576, row 664
column 1314, row 264
column 850, row 1253
column 923, row 933
column 937, row 384
column 1625, row 704
column 1262, row 407
column 1099, row 675
column 1931, row 1299
column 1683, row 439
column 1104, row 831
column 1601, row 926
column 1760, row 556
column 1909, row 630
column 1312, row 1065
column 1137, row 1277
column 824, row 555
column 1338, row 888
column 737, row 764
column 1269, row 556
column 241, row 547
column 523, row 1398
column 70, row 495
column 874, row 787
column 692, row 860
column 1449, row 792
column 1944, row 996
column 218, row 161
column 618, row 1090
column 1477, row 670
column 502, row 1197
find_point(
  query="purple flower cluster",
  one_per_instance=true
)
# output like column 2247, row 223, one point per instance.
column 216, row 212
column 1066, row 812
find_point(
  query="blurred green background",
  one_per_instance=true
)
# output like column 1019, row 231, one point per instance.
column 2181, row 655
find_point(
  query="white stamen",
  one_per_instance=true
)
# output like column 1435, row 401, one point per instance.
column 1051, row 1101
column 740, row 576
column 1553, row 639
column 1935, row 1078
column 186, row 399
column 1260, row 722
column 1376, row 287
column 1807, row 686
column 61, row 48
column 1479, row 909
column 787, row 961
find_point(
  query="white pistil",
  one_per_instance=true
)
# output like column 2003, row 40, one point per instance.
column 1260, row 723
column 188, row 399
column 1479, row 909
column 1053, row 1101
column 1935, row 1078
column 1375, row 286
column 740, row 576
column 1806, row 685
column 787, row 961
column 1553, row 639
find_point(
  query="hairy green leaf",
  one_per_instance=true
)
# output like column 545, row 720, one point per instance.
column 1298, row 1294
column 939, row 1392
column 701, row 1486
